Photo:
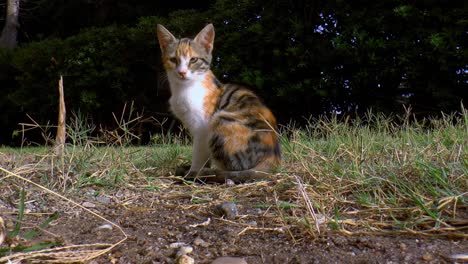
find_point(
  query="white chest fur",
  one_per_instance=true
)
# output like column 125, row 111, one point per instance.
column 186, row 103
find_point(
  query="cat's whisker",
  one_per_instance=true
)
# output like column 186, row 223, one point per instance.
column 162, row 79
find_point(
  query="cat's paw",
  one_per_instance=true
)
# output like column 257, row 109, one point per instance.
column 182, row 170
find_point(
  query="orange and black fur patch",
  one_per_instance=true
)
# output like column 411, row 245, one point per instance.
column 243, row 132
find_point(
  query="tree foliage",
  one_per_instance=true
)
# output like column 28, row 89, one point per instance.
column 102, row 67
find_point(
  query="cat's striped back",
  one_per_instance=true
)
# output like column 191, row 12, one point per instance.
column 243, row 131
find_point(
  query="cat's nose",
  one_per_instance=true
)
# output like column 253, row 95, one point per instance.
column 182, row 73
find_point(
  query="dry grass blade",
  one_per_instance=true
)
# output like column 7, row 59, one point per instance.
column 2, row 231
column 67, row 254
column 261, row 229
column 308, row 203
column 61, row 125
column 463, row 258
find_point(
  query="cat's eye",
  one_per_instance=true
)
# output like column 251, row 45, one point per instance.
column 173, row 60
column 193, row 60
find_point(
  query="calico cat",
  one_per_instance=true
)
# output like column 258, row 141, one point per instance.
column 228, row 122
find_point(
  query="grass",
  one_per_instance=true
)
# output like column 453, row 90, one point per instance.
column 376, row 174
column 401, row 175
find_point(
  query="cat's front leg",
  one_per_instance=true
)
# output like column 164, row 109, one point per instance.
column 200, row 157
column 200, row 152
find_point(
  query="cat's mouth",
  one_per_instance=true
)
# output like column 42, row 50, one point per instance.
column 182, row 77
column 178, row 77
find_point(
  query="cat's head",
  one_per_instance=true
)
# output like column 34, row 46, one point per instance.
column 186, row 59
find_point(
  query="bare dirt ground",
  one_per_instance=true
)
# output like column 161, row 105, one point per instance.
column 155, row 218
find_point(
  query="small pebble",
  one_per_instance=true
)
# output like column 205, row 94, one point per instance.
column 226, row 209
column 184, row 259
column 252, row 223
column 184, row 251
column 230, row 182
column 427, row 257
column 403, row 246
column 229, row 260
column 176, row 245
column 407, row 258
column 104, row 199
column 88, row 205
column 200, row 242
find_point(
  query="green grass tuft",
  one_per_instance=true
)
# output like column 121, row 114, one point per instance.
column 385, row 169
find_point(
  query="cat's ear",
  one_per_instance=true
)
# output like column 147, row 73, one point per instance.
column 206, row 37
column 165, row 37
